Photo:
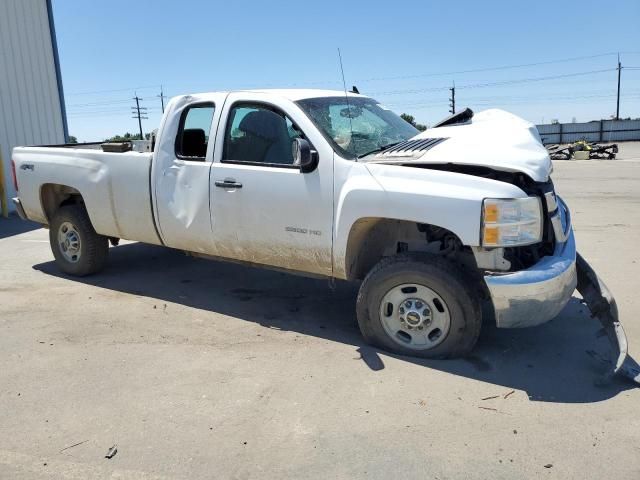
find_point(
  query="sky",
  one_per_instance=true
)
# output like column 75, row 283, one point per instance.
column 541, row 60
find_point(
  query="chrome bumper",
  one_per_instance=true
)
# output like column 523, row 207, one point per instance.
column 536, row 295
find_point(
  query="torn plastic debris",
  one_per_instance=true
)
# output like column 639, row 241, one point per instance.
column 603, row 306
column 111, row 452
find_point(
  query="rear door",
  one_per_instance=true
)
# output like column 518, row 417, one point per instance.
column 182, row 164
column 264, row 209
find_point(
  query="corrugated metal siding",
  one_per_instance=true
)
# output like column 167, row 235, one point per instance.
column 30, row 109
column 599, row 131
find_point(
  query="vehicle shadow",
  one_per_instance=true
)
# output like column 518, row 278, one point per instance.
column 14, row 225
column 550, row 362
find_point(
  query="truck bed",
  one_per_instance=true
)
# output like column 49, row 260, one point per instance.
column 115, row 186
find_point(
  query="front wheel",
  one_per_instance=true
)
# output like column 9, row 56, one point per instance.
column 76, row 246
column 420, row 305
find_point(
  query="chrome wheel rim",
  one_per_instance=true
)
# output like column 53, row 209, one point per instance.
column 69, row 242
column 415, row 316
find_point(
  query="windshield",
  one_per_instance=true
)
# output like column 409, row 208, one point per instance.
column 358, row 128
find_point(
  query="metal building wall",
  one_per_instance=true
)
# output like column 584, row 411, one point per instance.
column 31, row 101
column 598, row 131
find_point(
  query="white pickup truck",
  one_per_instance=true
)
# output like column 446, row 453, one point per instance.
column 434, row 224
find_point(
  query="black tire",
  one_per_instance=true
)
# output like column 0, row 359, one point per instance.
column 439, row 275
column 93, row 248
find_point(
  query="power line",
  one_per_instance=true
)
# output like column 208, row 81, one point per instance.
column 495, row 84
column 484, row 100
column 113, row 90
column 487, row 69
column 540, row 101
column 107, row 108
column 401, row 77
column 630, row 94
column 109, row 112
column 537, row 79
column 475, row 70
column 442, row 104
column 105, row 102
column 102, row 107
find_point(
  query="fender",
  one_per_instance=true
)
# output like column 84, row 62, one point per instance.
column 445, row 199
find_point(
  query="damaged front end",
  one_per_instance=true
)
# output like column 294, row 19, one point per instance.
column 529, row 284
column 603, row 306
column 538, row 292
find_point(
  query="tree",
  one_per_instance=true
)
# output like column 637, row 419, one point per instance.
column 127, row 137
column 411, row 119
column 72, row 139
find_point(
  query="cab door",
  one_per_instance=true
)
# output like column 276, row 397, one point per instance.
column 264, row 210
column 181, row 169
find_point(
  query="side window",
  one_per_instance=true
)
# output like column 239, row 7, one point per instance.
column 259, row 134
column 193, row 133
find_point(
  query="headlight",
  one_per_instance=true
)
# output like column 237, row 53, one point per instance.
column 511, row 222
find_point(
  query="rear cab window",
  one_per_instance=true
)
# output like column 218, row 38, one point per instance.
column 193, row 133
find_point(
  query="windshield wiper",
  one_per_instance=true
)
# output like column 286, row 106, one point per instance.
column 379, row 149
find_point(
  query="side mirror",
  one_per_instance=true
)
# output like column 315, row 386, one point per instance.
column 303, row 155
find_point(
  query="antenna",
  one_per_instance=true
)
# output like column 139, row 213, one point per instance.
column 346, row 97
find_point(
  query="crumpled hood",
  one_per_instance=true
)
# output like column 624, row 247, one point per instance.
column 494, row 138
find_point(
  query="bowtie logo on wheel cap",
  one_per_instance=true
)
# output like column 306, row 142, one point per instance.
column 416, row 313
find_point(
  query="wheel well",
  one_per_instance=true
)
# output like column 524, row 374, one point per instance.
column 53, row 196
column 371, row 239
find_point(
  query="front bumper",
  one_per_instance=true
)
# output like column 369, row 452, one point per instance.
column 536, row 295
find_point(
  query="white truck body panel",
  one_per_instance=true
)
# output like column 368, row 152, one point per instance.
column 281, row 217
column 445, row 199
column 115, row 187
column 493, row 138
column 181, row 188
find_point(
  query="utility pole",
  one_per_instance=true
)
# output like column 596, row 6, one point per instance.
column 618, row 99
column 162, row 97
column 452, row 99
column 139, row 113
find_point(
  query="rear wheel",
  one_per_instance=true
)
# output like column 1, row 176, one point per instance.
column 76, row 246
column 419, row 305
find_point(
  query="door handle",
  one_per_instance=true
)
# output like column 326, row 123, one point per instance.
column 228, row 183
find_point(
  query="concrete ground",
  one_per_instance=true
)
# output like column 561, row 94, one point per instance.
column 198, row 369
